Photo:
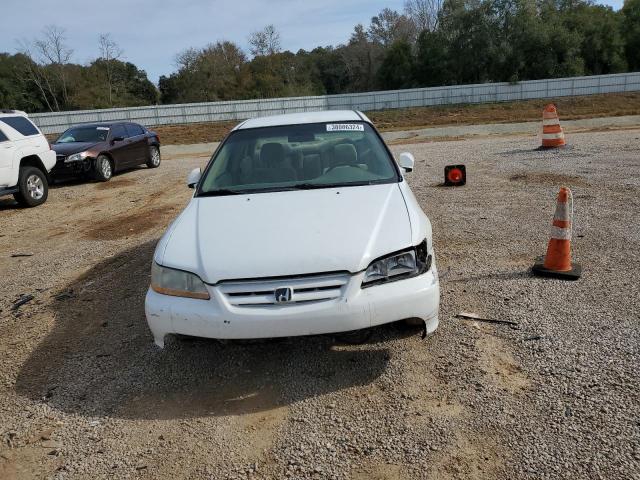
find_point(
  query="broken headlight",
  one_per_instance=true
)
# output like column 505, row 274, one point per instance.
column 76, row 157
column 397, row 266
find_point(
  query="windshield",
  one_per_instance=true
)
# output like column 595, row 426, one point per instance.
column 84, row 134
column 318, row 155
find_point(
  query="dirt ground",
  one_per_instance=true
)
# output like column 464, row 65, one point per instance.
column 85, row 394
column 569, row 108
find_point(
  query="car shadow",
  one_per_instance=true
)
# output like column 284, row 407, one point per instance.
column 99, row 358
column 8, row 203
column 80, row 179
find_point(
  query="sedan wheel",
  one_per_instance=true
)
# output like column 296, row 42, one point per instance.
column 154, row 157
column 103, row 169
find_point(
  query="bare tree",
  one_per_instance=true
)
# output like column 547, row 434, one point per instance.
column 49, row 56
column 423, row 13
column 265, row 42
column 110, row 52
column 186, row 59
column 53, row 51
column 36, row 74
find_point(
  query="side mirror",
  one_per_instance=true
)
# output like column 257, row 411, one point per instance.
column 116, row 139
column 194, row 177
column 406, row 161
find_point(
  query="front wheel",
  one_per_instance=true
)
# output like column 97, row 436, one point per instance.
column 154, row 157
column 33, row 188
column 103, row 169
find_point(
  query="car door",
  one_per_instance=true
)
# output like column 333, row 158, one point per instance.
column 139, row 144
column 121, row 148
column 6, row 159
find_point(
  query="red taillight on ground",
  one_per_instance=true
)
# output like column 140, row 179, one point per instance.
column 455, row 175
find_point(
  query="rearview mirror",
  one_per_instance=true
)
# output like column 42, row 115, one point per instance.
column 194, row 177
column 406, row 161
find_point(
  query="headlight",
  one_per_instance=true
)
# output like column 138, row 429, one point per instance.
column 177, row 283
column 397, row 266
column 76, row 157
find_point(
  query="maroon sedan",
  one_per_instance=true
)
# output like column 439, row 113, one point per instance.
column 100, row 149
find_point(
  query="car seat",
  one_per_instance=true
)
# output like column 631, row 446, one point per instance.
column 273, row 165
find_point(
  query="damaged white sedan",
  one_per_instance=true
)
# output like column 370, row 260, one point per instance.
column 300, row 224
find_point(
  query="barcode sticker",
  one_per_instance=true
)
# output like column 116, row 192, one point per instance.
column 345, row 127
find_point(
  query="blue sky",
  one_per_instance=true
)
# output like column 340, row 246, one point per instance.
column 151, row 32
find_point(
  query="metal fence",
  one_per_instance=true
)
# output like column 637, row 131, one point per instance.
column 56, row 122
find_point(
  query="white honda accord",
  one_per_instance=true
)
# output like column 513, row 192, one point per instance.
column 300, row 224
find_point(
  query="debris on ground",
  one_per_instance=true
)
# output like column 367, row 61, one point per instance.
column 21, row 301
column 475, row 316
column 532, row 338
column 63, row 295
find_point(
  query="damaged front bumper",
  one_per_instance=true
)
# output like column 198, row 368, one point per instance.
column 357, row 308
column 64, row 167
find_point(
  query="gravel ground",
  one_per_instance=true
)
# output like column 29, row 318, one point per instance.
column 85, row 394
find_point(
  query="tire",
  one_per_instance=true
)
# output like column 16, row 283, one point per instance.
column 33, row 187
column 103, row 169
column 154, row 157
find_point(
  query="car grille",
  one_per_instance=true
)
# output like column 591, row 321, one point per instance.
column 305, row 289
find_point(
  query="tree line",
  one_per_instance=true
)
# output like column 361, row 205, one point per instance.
column 428, row 43
column 41, row 77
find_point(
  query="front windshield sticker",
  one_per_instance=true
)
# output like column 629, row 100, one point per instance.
column 345, row 127
column 102, row 128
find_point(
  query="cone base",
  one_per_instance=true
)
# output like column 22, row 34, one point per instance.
column 573, row 274
column 551, row 147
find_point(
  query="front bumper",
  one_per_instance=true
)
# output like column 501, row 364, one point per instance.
column 64, row 168
column 417, row 297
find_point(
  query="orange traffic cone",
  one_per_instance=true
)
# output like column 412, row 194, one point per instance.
column 557, row 262
column 552, row 134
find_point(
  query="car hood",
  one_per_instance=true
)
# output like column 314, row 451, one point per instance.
column 286, row 233
column 71, row 148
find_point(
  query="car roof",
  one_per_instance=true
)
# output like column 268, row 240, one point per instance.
column 12, row 113
column 91, row 125
column 302, row 118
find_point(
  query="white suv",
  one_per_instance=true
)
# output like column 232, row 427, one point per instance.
column 25, row 159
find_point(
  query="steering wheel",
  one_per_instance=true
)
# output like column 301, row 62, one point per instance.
column 342, row 165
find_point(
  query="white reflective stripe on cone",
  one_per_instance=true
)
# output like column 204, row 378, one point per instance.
column 560, row 233
column 550, row 121
column 552, row 136
column 563, row 212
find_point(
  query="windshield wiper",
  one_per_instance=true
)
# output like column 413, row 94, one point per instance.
column 311, row 186
column 301, row 186
column 220, row 192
